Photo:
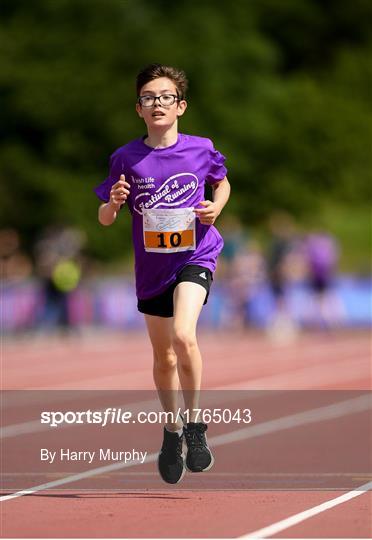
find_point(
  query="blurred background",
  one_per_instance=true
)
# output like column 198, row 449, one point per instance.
column 283, row 88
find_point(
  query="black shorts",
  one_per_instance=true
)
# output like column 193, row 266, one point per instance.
column 162, row 305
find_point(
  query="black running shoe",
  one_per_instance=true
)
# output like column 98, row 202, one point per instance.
column 199, row 457
column 171, row 459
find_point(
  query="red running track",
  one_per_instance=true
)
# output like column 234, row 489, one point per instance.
column 246, row 361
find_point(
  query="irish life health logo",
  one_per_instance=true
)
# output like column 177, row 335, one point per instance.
column 174, row 192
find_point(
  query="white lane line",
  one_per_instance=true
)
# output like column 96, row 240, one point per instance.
column 95, row 383
column 350, row 406
column 35, row 426
column 323, row 475
column 284, row 524
column 322, row 349
column 76, row 477
column 42, row 346
column 340, row 373
column 327, row 412
column 262, row 383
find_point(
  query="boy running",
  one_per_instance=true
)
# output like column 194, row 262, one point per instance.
column 161, row 177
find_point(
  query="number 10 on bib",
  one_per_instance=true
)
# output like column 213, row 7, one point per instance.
column 169, row 230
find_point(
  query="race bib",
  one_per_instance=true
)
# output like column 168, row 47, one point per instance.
column 169, row 230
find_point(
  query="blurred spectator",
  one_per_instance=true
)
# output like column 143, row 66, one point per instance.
column 233, row 235
column 247, row 274
column 58, row 260
column 15, row 265
column 299, row 286
column 17, row 297
column 322, row 256
column 284, row 246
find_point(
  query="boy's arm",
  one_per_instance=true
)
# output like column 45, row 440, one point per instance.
column 221, row 193
column 211, row 210
column 108, row 212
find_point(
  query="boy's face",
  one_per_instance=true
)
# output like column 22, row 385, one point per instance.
column 159, row 115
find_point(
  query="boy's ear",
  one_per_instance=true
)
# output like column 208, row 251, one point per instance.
column 182, row 106
column 139, row 110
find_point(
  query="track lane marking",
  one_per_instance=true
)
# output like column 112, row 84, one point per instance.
column 260, row 383
column 328, row 412
column 284, row 524
column 268, row 355
column 340, row 373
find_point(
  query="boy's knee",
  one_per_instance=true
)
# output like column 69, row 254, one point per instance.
column 183, row 339
column 165, row 360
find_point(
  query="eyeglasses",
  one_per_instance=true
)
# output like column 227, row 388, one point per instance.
column 166, row 100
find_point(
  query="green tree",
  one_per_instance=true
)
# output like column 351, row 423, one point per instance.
column 281, row 87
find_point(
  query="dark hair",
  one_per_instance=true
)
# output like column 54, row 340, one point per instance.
column 154, row 71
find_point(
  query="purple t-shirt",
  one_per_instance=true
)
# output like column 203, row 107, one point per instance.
column 322, row 254
column 167, row 178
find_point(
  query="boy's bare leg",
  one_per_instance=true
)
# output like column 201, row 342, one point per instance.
column 188, row 302
column 165, row 365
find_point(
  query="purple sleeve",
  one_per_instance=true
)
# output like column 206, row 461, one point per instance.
column 103, row 190
column 217, row 170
